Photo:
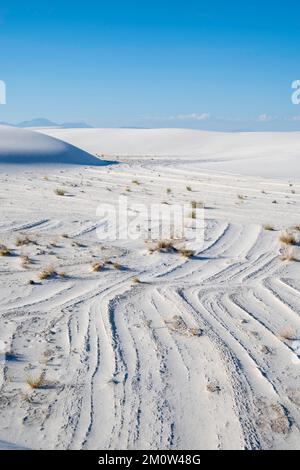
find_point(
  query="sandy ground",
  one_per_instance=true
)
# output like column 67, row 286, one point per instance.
column 202, row 353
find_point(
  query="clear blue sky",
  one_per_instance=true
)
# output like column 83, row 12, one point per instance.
column 159, row 63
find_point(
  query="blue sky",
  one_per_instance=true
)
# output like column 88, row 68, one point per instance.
column 223, row 64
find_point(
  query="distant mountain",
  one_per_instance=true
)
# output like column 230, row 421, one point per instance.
column 42, row 122
column 38, row 122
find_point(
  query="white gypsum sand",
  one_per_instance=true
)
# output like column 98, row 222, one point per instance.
column 202, row 353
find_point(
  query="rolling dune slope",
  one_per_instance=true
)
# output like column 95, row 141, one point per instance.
column 269, row 154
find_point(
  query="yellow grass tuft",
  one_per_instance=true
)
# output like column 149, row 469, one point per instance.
column 25, row 261
column 269, row 227
column 36, row 382
column 4, row 251
column 187, row 253
column 163, row 246
column 60, row 192
column 96, row 267
column 117, row 266
column 23, row 240
column 47, row 273
column 288, row 239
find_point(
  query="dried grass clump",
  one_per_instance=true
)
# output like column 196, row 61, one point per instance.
column 213, row 387
column 47, row 273
column 117, row 266
column 98, row 266
column 36, row 382
column 163, row 246
column 188, row 188
column 136, row 182
column 269, row 228
column 136, row 280
column 25, row 261
column 60, row 192
column 187, row 253
column 4, row 251
column 288, row 239
column 24, row 240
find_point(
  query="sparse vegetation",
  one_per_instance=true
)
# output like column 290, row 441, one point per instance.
column 4, row 251
column 24, row 240
column 98, row 266
column 188, row 188
column 169, row 190
column 269, row 227
column 136, row 182
column 213, row 387
column 187, row 253
column 288, row 239
column 36, row 382
column 47, row 273
column 25, row 261
column 136, row 280
column 163, row 246
column 117, row 266
column 60, row 192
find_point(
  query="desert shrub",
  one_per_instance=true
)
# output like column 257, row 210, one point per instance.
column 60, row 192
column 47, row 273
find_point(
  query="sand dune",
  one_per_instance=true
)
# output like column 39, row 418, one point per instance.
column 19, row 146
column 203, row 352
column 269, row 154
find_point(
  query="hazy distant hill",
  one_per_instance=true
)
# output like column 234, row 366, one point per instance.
column 43, row 122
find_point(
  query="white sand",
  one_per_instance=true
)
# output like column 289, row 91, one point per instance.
column 18, row 146
column 124, row 367
column 273, row 154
